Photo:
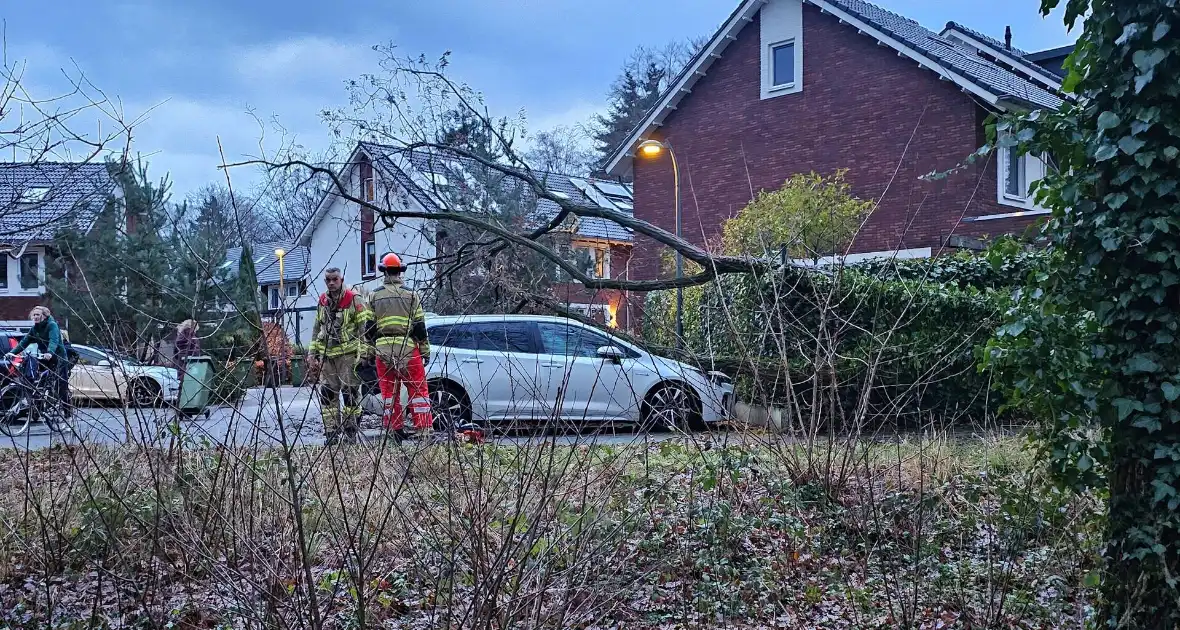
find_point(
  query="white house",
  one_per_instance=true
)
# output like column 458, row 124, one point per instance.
column 344, row 235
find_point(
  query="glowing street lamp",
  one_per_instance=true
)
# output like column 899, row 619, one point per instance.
column 652, row 149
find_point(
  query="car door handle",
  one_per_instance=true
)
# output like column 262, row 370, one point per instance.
column 472, row 360
column 552, row 365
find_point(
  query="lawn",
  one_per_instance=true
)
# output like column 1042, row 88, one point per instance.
column 930, row 533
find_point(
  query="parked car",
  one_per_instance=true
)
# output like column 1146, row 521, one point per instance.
column 494, row 368
column 101, row 374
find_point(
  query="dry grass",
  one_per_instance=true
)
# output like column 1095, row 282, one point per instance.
column 540, row 536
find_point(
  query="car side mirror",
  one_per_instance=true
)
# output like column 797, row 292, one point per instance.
column 611, row 353
column 104, row 363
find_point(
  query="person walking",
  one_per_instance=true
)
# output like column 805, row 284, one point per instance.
column 47, row 335
column 338, row 342
column 398, row 334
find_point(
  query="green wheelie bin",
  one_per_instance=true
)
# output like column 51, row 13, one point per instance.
column 197, row 386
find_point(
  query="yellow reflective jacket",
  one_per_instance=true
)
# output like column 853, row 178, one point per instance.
column 340, row 328
column 399, row 323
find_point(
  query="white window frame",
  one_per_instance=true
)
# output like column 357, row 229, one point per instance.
column 274, row 300
column 593, row 250
column 369, row 185
column 14, row 287
column 771, row 64
column 1033, row 168
column 369, row 265
column 292, row 290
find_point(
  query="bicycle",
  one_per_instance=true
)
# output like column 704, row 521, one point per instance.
column 28, row 397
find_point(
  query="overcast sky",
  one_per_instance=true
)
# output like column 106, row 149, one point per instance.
column 203, row 65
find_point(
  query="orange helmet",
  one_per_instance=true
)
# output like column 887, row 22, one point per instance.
column 390, row 262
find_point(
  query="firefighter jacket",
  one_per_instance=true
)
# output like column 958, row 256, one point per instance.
column 399, row 324
column 340, row 327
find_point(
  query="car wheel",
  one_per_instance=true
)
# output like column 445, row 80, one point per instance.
column 145, row 392
column 450, row 406
column 672, row 406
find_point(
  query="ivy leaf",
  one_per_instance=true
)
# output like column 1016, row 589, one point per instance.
column 1131, row 144
column 1026, row 134
column 1108, row 120
column 1146, row 60
column 1171, row 392
column 1124, row 406
column 1105, row 152
column 1116, row 200
column 1147, row 422
column 1164, row 187
column 1160, row 31
column 1141, row 363
column 1085, row 463
column 1142, row 80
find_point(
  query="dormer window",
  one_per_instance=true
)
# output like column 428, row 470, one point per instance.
column 783, row 61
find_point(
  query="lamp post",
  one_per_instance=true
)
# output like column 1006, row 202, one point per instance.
column 652, row 149
column 282, row 363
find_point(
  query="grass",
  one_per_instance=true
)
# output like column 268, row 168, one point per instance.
column 963, row 533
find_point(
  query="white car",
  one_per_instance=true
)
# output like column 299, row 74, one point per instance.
column 104, row 375
column 505, row 368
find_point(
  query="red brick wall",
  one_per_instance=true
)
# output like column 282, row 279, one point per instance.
column 17, row 308
column 575, row 293
column 859, row 107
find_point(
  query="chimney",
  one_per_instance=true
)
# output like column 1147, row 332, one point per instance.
column 1008, row 38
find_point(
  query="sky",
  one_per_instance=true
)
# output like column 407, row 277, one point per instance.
column 192, row 72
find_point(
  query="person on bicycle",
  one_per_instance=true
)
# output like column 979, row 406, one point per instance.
column 47, row 335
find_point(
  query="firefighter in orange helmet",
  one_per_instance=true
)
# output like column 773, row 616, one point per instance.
column 399, row 333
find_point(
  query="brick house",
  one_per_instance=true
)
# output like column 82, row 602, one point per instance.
column 36, row 200
column 345, row 235
column 790, row 86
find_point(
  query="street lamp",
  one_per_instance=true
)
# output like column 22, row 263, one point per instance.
column 653, row 149
column 279, row 253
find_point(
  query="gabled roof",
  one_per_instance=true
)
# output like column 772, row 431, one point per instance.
column 38, row 199
column 993, row 84
column 296, row 262
column 1011, row 56
column 429, row 176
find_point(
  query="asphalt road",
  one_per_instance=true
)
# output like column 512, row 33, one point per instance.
column 259, row 421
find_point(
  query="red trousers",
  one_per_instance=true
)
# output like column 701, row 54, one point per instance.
column 390, row 379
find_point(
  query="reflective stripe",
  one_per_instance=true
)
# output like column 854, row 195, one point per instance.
column 392, row 341
column 393, row 320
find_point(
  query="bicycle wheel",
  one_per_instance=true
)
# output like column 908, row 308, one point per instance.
column 14, row 410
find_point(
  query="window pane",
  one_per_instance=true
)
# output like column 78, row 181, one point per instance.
column 1014, row 175
column 589, row 343
column 292, row 290
column 556, row 338
column 784, row 64
column 503, row 337
column 451, row 337
column 4, row 271
column 29, row 278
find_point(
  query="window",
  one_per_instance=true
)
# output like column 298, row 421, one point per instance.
column 602, row 263
column 368, row 182
column 88, row 357
column 782, row 60
column 4, row 258
column 487, row 337
column 33, row 195
column 292, row 290
column 369, row 260
column 574, row 341
column 273, row 300
column 30, row 272
column 1015, row 178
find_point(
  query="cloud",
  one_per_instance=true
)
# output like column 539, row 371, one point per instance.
column 300, row 61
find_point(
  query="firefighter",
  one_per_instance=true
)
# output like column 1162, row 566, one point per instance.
column 338, row 342
column 402, row 348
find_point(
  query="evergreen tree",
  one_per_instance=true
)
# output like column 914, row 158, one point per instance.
column 644, row 78
column 122, row 288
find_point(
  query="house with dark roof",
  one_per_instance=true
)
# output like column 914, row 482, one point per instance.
column 350, row 237
column 36, row 201
column 791, row 86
